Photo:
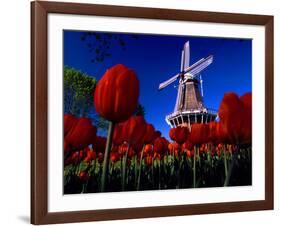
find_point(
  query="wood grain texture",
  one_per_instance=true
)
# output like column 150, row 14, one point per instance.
column 269, row 113
column 39, row 117
column 39, row 109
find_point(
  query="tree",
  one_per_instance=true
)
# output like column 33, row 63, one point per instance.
column 140, row 111
column 78, row 88
column 99, row 44
column 78, row 99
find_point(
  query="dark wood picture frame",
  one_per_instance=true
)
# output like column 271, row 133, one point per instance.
column 39, row 109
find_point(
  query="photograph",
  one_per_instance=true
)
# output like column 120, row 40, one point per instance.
column 145, row 112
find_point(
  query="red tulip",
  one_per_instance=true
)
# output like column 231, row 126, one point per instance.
column 81, row 135
column 114, row 149
column 213, row 131
column 91, row 155
column 68, row 122
column 83, row 175
column 199, row 133
column 138, row 148
column 157, row 134
column 119, row 134
column 231, row 113
column 100, row 157
column 246, row 131
column 131, row 152
column 203, row 148
column 115, row 99
column 116, row 94
column 99, row 144
column 148, row 160
column 160, row 145
column 172, row 134
column 190, row 154
column 247, row 101
column 173, row 148
column 187, row 145
column 123, row 149
column 72, row 159
column 218, row 149
column 82, row 154
column 222, row 135
column 114, row 157
column 135, row 129
column 181, row 134
column 149, row 134
column 148, row 149
column 236, row 117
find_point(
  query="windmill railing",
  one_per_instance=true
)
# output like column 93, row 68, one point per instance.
column 205, row 110
column 191, row 116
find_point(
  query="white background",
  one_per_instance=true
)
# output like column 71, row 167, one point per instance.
column 14, row 120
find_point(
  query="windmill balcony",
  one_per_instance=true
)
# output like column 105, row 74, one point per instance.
column 191, row 116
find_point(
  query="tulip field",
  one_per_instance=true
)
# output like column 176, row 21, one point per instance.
column 135, row 156
column 170, row 171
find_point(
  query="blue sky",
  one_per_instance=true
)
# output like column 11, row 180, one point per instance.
column 155, row 58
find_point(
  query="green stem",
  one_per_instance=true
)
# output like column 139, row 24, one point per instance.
column 179, row 168
column 225, row 163
column 139, row 177
column 121, row 167
column 94, row 167
column 199, row 157
column 249, row 153
column 136, row 169
column 184, row 170
column 124, row 168
column 106, row 156
column 83, row 188
column 194, row 167
column 230, row 167
column 159, row 185
column 152, row 172
column 208, row 153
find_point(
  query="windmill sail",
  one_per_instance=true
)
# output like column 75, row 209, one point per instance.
column 186, row 56
column 182, row 61
column 179, row 96
column 168, row 82
column 200, row 65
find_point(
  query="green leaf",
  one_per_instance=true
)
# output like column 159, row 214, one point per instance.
column 83, row 166
column 68, row 170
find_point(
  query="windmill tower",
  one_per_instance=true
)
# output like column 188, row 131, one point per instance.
column 189, row 107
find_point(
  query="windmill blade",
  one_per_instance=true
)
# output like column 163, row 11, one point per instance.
column 186, row 50
column 168, row 82
column 200, row 65
column 182, row 61
column 194, row 65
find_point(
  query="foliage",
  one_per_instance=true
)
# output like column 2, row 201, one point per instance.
column 78, row 99
column 100, row 123
column 99, row 44
column 78, row 88
column 140, row 111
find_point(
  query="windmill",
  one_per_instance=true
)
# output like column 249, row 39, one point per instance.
column 189, row 107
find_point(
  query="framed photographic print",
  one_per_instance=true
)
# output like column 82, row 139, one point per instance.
column 145, row 112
